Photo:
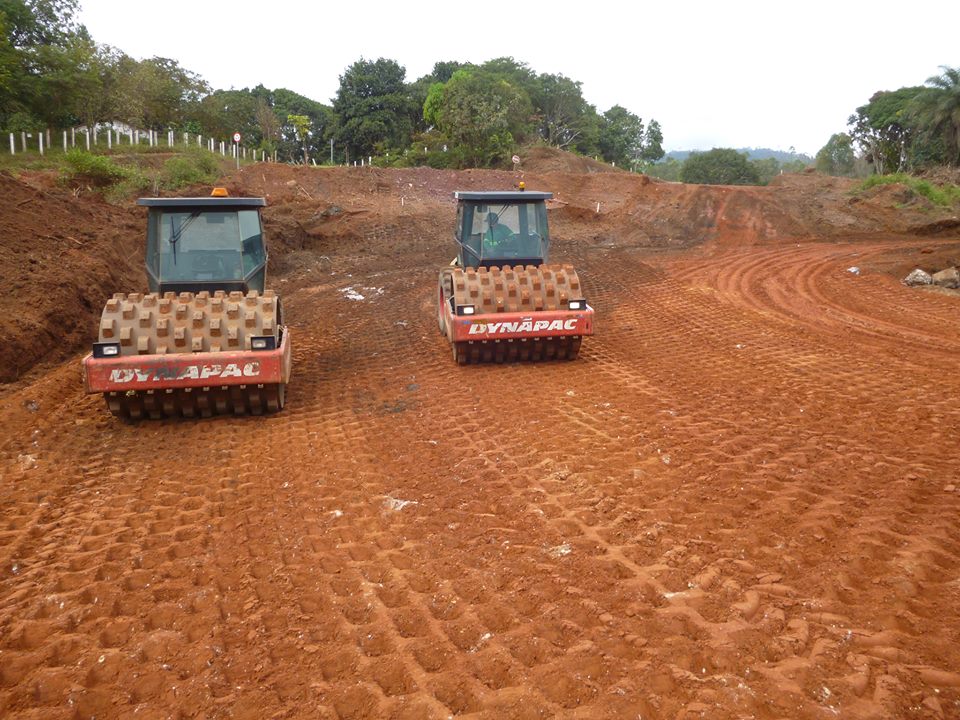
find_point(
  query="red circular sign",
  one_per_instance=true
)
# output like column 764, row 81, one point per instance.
column 236, row 137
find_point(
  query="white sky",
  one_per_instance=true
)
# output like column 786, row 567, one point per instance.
column 726, row 73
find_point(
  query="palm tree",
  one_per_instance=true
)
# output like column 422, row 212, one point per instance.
column 938, row 111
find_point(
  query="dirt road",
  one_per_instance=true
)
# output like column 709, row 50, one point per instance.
column 741, row 501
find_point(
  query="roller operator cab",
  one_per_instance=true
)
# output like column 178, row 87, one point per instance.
column 500, row 300
column 208, row 337
column 502, row 228
column 196, row 244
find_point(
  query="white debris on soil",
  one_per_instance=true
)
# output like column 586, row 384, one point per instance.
column 481, row 642
column 854, row 270
column 351, row 293
column 395, row 504
column 336, row 513
column 560, row 550
column 918, row 277
column 27, row 462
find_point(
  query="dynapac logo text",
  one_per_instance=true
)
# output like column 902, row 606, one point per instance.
column 190, row 372
column 522, row 326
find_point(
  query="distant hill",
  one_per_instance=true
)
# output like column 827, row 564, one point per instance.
column 781, row 156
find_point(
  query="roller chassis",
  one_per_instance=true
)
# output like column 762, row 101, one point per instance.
column 192, row 384
column 522, row 314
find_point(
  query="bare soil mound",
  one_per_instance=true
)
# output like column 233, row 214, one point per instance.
column 60, row 258
column 543, row 159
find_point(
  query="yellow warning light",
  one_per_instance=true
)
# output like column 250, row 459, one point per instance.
column 219, row 192
column 522, row 185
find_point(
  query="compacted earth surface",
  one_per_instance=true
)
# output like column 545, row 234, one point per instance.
column 741, row 501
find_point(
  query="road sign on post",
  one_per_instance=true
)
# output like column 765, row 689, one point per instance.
column 236, row 149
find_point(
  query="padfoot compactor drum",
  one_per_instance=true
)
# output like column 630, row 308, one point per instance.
column 499, row 300
column 207, row 338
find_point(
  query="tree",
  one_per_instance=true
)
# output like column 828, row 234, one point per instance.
column 443, row 70
column 224, row 112
column 767, row 169
column 621, row 137
column 372, row 107
column 267, row 124
column 301, row 124
column 72, row 82
column 9, row 64
column 31, row 23
column 669, row 169
column 836, row 157
column 937, row 112
column 720, row 166
column 480, row 113
column 882, row 129
column 563, row 113
column 517, row 73
column 418, row 90
column 34, row 47
column 652, row 143
column 156, row 93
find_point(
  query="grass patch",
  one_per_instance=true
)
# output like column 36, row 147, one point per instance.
column 122, row 173
column 84, row 168
column 943, row 195
column 191, row 167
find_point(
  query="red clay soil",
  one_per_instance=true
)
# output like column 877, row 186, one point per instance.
column 740, row 502
column 60, row 257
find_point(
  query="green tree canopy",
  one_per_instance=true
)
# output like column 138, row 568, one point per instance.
column 936, row 110
column 40, row 46
column 224, row 112
column 480, row 113
column 621, row 136
column 372, row 107
column 31, row 23
column 836, row 157
column 564, row 116
column 652, row 143
column 322, row 123
column 720, row 166
column 883, row 129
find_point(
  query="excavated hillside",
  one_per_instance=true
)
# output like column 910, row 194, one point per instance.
column 740, row 501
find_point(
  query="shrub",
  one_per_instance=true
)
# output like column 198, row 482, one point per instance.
column 720, row 166
column 189, row 168
column 94, row 170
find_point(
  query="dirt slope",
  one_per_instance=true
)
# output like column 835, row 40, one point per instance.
column 60, row 258
column 740, row 502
